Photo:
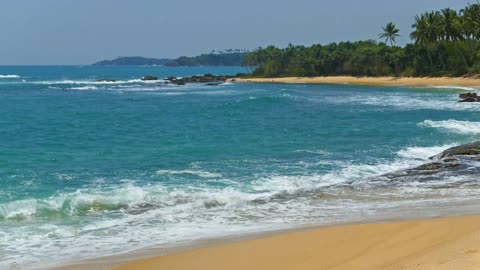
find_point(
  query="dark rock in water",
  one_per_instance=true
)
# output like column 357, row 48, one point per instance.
column 429, row 166
column 214, row 83
column 450, row 159
column 208, row 78
column 149, row 78
column 452, row 165
column 437, row 166
column 212, row 204
column 460, row 162
column 105, row 80
column 462, row 150
column 469, row 97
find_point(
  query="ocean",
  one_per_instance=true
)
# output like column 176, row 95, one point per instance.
column 91, row 169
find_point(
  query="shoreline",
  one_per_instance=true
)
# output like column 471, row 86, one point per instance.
column 441, row 236
column 435, row 243
column 382, row 81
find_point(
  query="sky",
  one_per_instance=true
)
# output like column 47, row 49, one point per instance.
column 69, row 32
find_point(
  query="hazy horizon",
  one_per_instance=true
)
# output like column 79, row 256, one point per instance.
column 54, row 32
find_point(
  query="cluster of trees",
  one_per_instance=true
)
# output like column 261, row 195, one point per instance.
column 133, row 61
column 212, row 59
column 446, row 42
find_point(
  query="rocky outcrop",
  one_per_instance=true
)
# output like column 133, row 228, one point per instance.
column 105, row 80
column 469, row 97
column 459, row 161
column 208, row 78
column 149, row 78
column 470, row 149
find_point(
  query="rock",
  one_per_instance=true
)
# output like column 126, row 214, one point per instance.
column 459, row 161
column 450, row 159
column 149, row 78
column 212, row 204
column 462, row 150
column 469, row 97
column 429, row 166
column 105, row 80
column 214, row 83
column 452, row 165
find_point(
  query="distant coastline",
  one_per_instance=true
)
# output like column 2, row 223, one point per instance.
column 447, row 82
column 229, row 58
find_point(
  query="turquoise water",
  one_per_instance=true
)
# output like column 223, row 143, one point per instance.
column 90, row 169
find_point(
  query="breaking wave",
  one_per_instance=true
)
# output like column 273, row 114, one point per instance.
column 9, row 77
column 455, row 126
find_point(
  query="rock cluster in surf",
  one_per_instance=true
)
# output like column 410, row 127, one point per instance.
column 456, row 161
column 209, row 79
column 469, row 97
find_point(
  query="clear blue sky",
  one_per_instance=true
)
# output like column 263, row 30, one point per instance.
column 84, row 31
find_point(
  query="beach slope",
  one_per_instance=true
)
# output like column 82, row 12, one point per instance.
column 440, row 243
column 388, row 81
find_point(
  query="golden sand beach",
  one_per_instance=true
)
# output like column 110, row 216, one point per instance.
column 439, row 243
column 389, row 81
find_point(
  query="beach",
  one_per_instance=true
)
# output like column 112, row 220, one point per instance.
column 385, row 81
column 438, row 243
column 142, row 169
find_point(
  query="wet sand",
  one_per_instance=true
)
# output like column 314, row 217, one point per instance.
column 440, row 243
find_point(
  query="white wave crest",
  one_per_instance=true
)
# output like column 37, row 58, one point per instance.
column 9, row 77
column 401, row 101
column 203, row 174
column 88, row 87
column 456, row 87
column 422, row 153
column 315, row 152
column 90, row 82
column 455, row 126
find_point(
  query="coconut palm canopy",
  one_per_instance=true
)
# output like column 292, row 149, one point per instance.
column 445, row 42
column 390, row 32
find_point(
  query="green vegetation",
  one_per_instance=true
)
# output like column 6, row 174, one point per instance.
column 390, row 32
column 446, row 42
column 230, row 57
column 133, row 61
column 227, row 58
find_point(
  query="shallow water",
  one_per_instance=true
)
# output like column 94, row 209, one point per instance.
column 89, row 169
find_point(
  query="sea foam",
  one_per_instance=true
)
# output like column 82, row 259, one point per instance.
column 9, row 77
column 455, row 126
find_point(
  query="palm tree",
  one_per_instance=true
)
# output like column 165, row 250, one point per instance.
column 451, row 29
column 426, row 32
column 421, row 35
column 390, row 32
column 470, row 17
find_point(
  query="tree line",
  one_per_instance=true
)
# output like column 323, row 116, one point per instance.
column 233, row 58
column 445, row 43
